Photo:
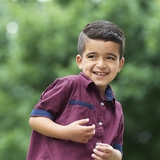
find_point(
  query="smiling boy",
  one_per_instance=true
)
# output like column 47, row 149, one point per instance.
column 78, row 117
column 100, row 62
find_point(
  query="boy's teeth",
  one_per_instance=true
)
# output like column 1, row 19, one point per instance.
column 100, row 74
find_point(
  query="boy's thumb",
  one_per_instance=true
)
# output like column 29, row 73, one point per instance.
column 83, row 121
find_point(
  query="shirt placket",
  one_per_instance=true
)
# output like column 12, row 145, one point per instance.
column 100, row 121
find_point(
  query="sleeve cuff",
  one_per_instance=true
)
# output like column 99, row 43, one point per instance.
column 118, row 146
column 41, row 113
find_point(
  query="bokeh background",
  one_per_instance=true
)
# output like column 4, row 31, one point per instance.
column 38, row 44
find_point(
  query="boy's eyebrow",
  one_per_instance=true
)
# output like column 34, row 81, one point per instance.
column 110, row 54
column 91, row 53
column 113, row 55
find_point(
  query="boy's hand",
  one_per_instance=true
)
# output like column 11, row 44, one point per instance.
column 106, row 152
column 78, row 132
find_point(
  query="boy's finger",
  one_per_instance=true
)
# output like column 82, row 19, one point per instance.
column 83, row 121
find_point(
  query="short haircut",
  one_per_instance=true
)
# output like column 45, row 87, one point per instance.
column 101, row 30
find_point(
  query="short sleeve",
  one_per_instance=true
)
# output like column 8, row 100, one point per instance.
column 53, row 99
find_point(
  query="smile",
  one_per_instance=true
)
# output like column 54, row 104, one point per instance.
column 100, row 73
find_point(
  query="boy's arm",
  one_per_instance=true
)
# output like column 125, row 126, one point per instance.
column 75, row 131
column 103, row 151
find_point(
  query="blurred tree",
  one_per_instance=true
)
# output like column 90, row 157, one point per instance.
column 38, row 44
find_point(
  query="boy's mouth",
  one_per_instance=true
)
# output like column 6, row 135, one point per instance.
column 100, row 73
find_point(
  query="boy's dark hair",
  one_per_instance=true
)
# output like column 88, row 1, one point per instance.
column 101, row 30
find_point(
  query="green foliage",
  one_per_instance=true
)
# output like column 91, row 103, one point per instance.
column 38, row 44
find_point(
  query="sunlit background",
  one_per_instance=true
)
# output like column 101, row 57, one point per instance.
column 38, row 41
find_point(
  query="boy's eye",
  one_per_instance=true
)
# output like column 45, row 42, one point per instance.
column 91, row 56
column 111, row 58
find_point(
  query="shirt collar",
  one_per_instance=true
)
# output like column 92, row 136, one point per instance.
column 109, row 93
column 85, row 79
column 109, row 96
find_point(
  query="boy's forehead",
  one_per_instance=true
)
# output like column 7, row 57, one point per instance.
column 99, row 46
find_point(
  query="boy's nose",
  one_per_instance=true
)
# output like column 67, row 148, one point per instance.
column 101, row 64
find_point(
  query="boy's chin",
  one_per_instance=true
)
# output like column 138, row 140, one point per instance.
column 101, row 85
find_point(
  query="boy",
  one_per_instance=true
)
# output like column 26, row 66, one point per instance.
column 77, row 117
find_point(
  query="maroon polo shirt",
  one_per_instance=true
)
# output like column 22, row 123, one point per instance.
column 69, row 99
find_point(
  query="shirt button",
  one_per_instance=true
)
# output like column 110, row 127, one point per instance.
column 102, row 103
column 100, row 123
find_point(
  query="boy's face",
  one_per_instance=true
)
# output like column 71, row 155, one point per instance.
column 100, row 62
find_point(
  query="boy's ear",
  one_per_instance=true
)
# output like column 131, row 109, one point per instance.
column 121, row 63
column 79, row 61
